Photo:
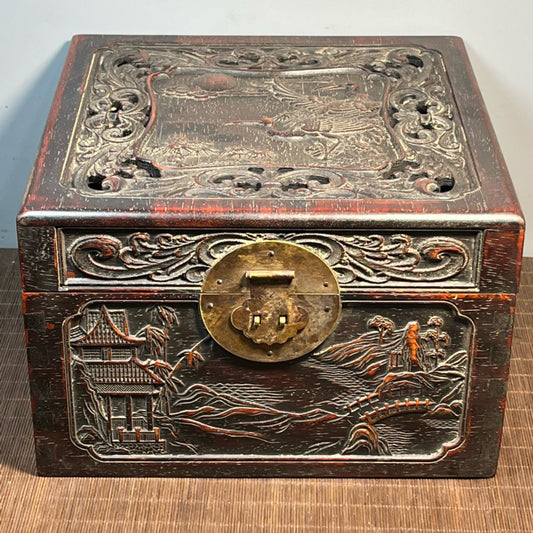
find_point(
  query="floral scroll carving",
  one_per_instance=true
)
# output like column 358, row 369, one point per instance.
column 358, row 260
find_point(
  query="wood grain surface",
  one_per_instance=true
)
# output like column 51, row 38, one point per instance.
column 30, row 503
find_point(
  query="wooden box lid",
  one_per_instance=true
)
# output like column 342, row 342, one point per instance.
column 260, row 132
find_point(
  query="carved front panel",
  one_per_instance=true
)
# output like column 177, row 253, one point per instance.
column 180, row 260
column 145, row 381
column 269, row 122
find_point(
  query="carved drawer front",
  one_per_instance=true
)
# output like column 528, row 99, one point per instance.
column 145, row 380
column 360, row 260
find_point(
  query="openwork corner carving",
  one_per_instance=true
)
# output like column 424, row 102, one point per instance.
column 267, row 122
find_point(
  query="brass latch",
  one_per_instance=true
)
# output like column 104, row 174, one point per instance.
column 271, row 315
column 270, row 301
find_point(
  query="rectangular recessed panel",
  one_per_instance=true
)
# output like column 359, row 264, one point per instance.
column 390, row 373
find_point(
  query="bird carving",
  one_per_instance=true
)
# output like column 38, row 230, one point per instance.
column 330, row 114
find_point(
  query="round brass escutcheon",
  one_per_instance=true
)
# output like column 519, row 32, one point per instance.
column 270, row 301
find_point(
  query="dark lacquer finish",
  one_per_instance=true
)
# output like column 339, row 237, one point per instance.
column 265, row 194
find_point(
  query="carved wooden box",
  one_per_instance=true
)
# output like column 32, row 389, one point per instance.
column 269, row 257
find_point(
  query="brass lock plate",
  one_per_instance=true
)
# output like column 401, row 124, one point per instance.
column 270, row 301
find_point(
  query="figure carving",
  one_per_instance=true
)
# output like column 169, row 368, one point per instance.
column 326, row 118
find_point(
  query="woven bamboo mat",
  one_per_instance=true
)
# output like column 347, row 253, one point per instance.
column 29, row 503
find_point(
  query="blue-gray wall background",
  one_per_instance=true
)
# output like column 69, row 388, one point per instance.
column 35, row 35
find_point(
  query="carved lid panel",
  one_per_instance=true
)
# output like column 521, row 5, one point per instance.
column 268, row 122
